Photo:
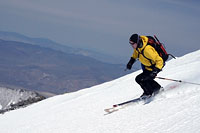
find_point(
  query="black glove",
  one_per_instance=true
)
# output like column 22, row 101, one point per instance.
column 130, row 63
column 154, row 73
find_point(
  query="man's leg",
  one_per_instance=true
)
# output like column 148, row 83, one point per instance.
column 155, row 85
column 145, row 85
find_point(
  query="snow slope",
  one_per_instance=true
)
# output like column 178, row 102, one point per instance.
column 176, row 110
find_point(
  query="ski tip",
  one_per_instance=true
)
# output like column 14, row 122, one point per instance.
column 115, row 105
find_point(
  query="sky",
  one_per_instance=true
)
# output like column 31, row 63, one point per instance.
column 106, row 25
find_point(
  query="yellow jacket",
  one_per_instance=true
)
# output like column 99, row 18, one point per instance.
column 150, row 53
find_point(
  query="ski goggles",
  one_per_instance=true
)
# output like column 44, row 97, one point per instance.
column 131, row 42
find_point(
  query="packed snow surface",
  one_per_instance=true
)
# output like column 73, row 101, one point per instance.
column 175, row 110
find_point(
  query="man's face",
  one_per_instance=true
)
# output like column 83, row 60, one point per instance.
column 133, row 44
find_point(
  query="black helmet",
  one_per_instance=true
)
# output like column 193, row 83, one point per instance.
column 136, row 39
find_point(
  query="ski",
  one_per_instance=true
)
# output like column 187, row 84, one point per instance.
column 138, row 100
column 119, row 106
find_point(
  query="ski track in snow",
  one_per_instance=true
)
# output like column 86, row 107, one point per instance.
column 175, row 110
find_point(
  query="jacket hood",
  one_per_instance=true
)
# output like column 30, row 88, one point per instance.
column 145, row 41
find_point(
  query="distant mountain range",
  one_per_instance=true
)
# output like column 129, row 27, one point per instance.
column 44, row 42
column 50, row 68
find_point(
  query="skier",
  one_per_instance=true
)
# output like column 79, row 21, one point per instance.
column 151, row 63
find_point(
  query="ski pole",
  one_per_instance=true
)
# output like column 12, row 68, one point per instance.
column 177, row 80
column 157, row 39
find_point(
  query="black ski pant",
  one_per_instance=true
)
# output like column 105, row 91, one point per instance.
column 147, row 83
